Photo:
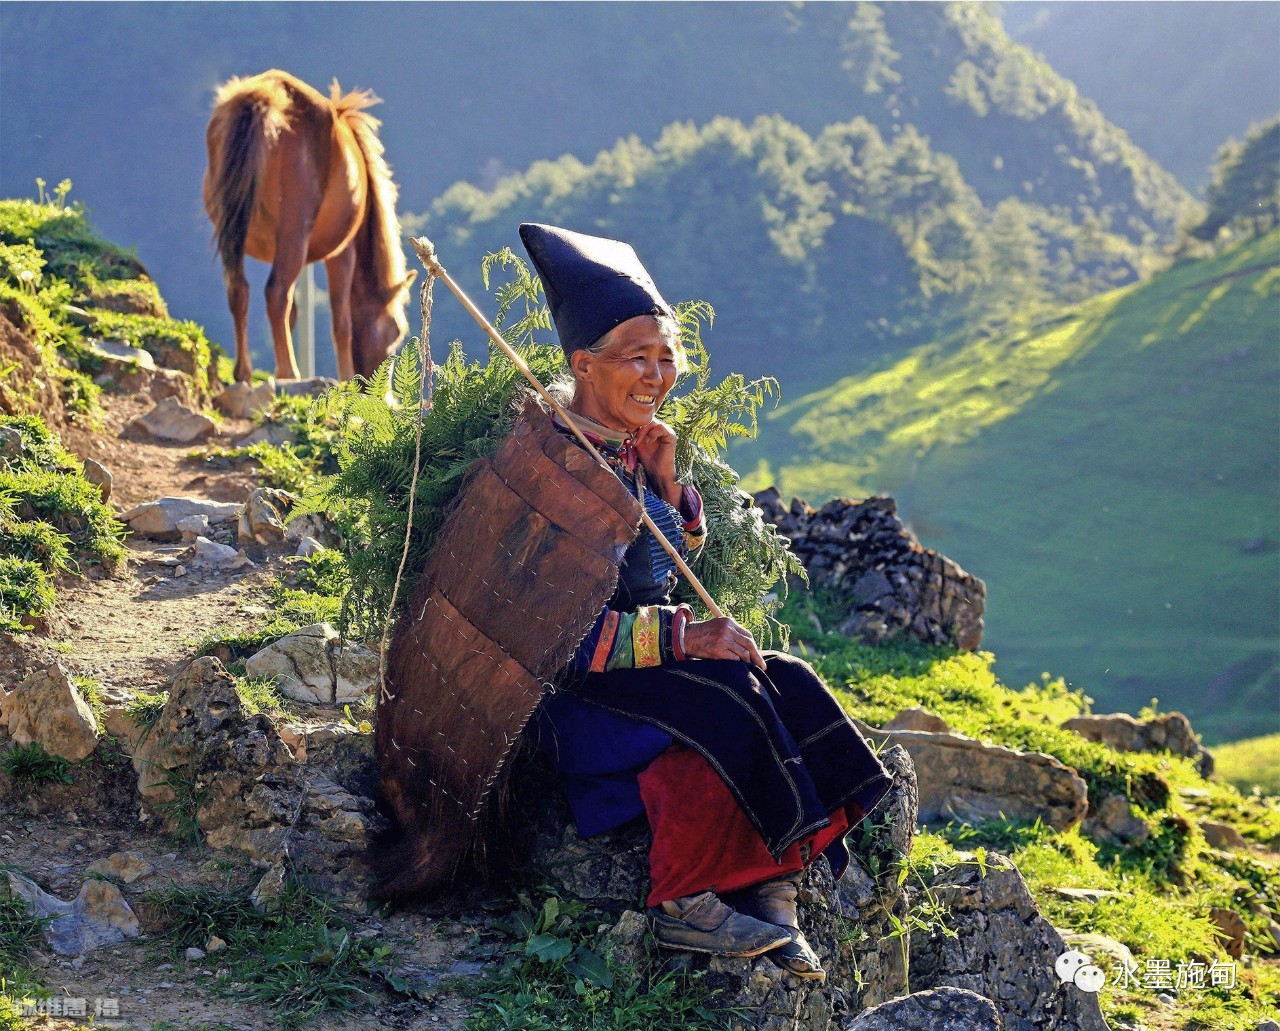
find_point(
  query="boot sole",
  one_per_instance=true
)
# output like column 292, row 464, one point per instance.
column 719, row 952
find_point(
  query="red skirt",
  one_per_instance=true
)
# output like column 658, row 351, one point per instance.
column 703, row 840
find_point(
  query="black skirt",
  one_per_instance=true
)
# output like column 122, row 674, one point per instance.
column 779, row 739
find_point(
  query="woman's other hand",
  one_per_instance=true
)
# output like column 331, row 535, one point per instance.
column 723, row 638
column 655, row 445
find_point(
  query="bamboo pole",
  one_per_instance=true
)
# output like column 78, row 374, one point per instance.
column 427, row 255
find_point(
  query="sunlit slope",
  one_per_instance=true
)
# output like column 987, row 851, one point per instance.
column 1114, row 476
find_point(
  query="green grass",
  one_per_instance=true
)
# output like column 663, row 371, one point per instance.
column 1250, row 765
column 1166, row 886
column 558, row 977
column 20, row 934
column 1111, row 474
column 32, row 764
column 298, row 955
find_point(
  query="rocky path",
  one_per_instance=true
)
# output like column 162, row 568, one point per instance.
column 133, row 633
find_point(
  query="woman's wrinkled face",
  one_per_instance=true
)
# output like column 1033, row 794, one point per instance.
column 622, row 386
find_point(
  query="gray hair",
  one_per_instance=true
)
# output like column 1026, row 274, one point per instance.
column 563, row 387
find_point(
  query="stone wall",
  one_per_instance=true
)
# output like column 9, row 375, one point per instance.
column 892, row 585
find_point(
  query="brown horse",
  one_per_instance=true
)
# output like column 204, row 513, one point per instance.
column 294, row 178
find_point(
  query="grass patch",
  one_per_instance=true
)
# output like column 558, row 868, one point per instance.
column 145, row 708
column 298, row 954
column 31, row 764
column 20, row 934
column 259, row 695
column 26, row 592
column 558, row 977
column 1252, row 765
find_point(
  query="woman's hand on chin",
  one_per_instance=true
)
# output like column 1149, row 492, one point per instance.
column 655, row 444
column 723, row 638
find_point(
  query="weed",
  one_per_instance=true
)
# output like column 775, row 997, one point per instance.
column 259, row 695
column 32, row 764
column 181, row 811
column 26, row 592
column 297, row 954
column 556, row 979
column 145, row 708
column 91, row 691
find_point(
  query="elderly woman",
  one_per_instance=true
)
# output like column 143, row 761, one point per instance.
column 742, row 761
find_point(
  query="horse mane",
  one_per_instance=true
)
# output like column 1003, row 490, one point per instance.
column 383, row 261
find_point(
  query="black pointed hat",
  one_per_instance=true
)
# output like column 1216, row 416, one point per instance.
column 592, row 283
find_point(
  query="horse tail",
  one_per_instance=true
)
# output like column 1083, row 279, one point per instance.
column 249, row 116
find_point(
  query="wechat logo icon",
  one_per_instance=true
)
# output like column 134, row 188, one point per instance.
column 1074, row 967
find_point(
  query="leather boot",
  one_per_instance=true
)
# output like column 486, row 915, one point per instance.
column 702, row 923
column 775, row 903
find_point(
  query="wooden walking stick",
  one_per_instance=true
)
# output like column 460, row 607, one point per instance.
column 427, row 254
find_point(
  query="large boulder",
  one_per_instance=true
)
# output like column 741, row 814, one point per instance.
column 46, row 708
column 233, row 777
column 965, row 780
column 998, row 945
column 314, row 664
column 893, row 586
column 1168, row 733
column 206, row 762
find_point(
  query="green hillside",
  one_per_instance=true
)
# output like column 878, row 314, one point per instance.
column 1113, row 474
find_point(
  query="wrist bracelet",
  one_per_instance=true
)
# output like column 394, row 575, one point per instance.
column 682, row 616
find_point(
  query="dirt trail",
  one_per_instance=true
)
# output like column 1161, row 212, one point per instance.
column 134, row 631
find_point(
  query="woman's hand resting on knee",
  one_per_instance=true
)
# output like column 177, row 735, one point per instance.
column 723, row 638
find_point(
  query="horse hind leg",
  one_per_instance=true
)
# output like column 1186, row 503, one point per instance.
column 238, row 301
column 291, row 252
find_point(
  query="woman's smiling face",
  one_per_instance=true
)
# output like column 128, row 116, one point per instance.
column 622, row 386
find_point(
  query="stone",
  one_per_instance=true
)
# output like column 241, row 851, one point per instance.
column 1087, row 894
column 118, row 352
column 98, row 916
column 214, row 944
column 1168, row 733
column 171, row 383
column 309, row 546
column 1002, row 949
column 10, row 443
column 193, row 526
column 159, row 519
column 893, row 586
column 314, row 664
column 916, row 718
column 964, row 780
column 1112, row 820
column 313, row 386
column 192, row 954
column 331, row 835
column 1223, row 836
column 1098, row 946
column 46, row 708
column 207, row 554
column 317, row 525
column 1231, row 930
column 171, row 420
column 270, row 887
column 124, row 866
column 262, row 518
column 942, row 1009
column 245, row 400
column 1267, row 1025
column 230, row 771
column 100, row 476
column 272, row 433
